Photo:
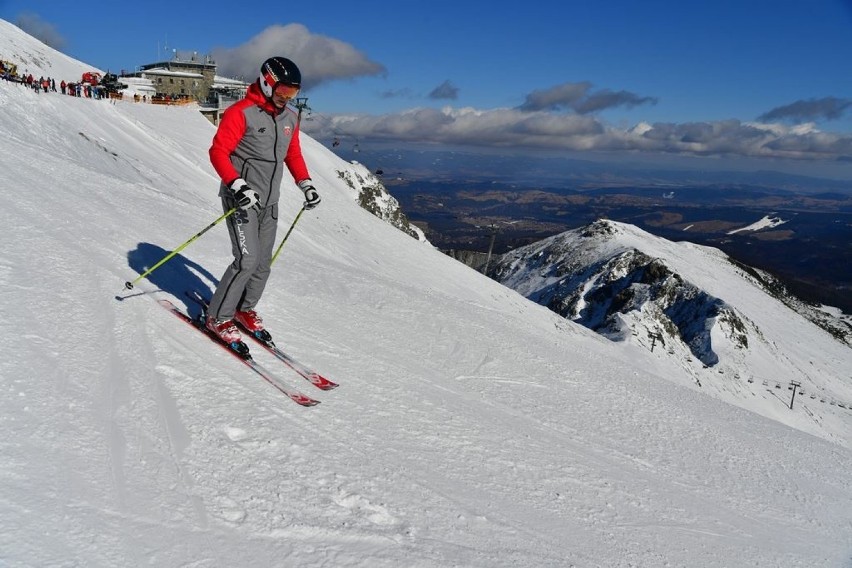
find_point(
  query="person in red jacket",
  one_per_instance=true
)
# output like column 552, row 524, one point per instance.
column 255, row 136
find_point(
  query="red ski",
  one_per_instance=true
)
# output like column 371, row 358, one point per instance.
column 265, row 339
column 241, row 351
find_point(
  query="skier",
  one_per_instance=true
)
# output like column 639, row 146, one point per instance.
column 253, row 138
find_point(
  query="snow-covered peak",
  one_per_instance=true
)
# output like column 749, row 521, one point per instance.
column 33, row 57
column 372, row 195
column 727, row 328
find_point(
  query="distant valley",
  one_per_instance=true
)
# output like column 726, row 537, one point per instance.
column 804, row 238
column 461, row 199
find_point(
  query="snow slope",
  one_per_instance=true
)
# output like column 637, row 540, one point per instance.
column 32, row 56
column 471, row 428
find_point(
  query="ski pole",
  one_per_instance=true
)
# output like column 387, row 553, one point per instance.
column 129, row 285
column 284, row 240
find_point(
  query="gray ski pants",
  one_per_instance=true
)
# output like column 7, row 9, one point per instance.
column 252, row 234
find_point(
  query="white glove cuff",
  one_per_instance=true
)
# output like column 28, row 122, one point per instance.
column 238, row 184
column 306, row 184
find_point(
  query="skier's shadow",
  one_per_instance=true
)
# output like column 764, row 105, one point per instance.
column 176, row 277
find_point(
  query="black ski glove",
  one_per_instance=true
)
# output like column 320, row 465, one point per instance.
column 245, row 196
column 312, row 198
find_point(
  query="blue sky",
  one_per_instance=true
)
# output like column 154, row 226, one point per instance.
column 762, row 80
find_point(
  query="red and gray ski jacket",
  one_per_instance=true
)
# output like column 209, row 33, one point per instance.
column 253, row 139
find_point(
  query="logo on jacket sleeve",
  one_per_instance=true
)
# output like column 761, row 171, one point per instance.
column 288, row 131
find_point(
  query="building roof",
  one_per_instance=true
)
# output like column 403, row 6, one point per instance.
column 219, row 81
column 164, row 71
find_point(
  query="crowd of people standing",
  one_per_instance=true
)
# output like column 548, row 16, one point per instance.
column 48, row 84
column 94, row 89
column 8, row 72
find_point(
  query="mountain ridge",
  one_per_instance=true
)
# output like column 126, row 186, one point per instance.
column 714, row 318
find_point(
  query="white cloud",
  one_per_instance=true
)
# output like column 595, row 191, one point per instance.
column 320, row 58
column 505, row 128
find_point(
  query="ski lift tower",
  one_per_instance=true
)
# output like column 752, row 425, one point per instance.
column 302, row 104
column 793, row 386
column 494, row 231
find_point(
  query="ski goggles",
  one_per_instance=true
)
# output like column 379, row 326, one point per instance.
column 285, row 91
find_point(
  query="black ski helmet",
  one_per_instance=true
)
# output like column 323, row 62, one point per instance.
column 278, row 71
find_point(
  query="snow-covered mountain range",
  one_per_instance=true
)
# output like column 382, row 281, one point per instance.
column 472, row 427
column 723, row 326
